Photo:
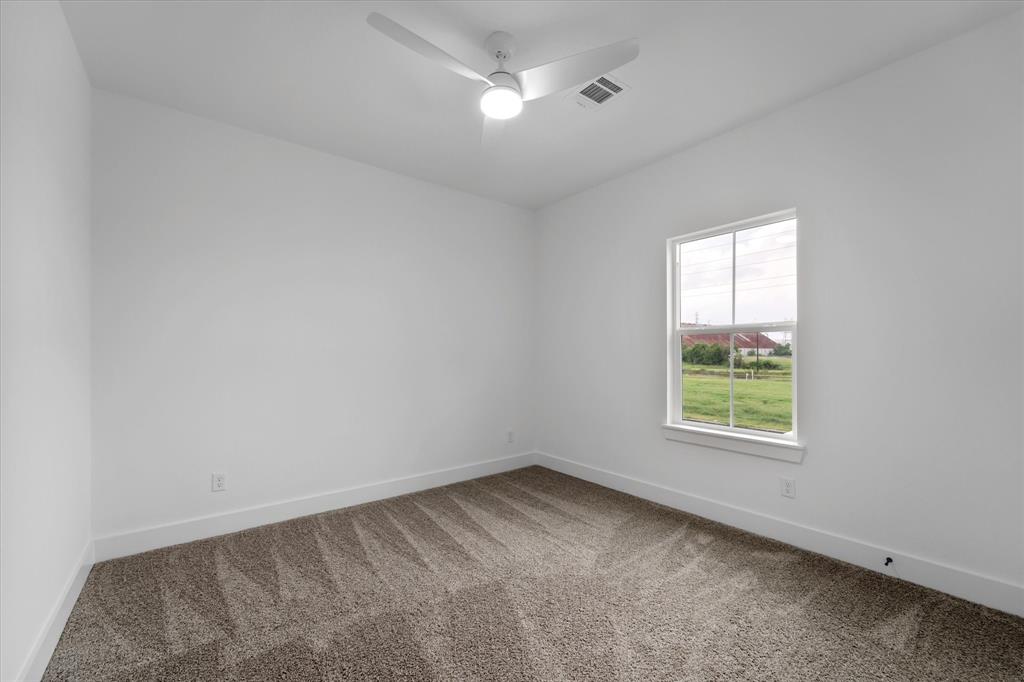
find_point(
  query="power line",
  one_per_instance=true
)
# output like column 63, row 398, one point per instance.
column 729, row 286
column 719, row 293
column 738, row 265
column 729, row 257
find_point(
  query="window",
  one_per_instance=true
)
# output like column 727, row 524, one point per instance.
column 733, row 331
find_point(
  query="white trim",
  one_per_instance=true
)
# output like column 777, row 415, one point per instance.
column 737, row 441
column 960, row 582
column 46, row 640
column 673, row 388
column 737, row 328
column 165, row 535
column 732, row 349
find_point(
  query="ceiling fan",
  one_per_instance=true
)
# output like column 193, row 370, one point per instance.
column 505, row 92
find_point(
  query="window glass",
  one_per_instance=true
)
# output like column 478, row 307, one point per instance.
column 705, row 281
column 705, row 378
column 763, row 381
column 766, row 273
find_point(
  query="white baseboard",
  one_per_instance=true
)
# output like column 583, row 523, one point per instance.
column 46, row 640
column 959, row 582
column 145, row 539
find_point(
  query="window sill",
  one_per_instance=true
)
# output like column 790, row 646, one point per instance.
column 748, row 444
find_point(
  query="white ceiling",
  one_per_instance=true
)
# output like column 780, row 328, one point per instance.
column 316, row 74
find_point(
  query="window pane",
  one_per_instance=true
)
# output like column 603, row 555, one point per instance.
column 766, row 273
column 705, row 380
column 763, row 381
column 705, row 281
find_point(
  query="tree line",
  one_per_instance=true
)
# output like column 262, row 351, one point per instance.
column 714, row 354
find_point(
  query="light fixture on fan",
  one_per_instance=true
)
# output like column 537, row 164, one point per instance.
column 502, row 100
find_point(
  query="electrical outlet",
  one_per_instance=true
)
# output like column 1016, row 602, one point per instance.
column 218, row 483
column 787, row 487
column 511, row 436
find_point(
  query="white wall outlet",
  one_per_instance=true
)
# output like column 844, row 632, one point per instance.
column 511, row 436
column 787, row 487
column 218, row 483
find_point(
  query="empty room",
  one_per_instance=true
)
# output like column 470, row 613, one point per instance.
column 511, row 340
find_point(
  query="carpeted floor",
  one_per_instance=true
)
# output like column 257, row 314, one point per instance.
column 529, row 575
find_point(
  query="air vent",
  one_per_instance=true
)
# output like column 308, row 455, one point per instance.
column 596, row 93
column 608, row 85
column 599, row 92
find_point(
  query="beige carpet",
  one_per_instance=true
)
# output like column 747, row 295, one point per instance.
column 529, row 575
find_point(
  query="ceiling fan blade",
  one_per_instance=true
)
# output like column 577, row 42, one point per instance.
column 402, row 35
column 564, row 73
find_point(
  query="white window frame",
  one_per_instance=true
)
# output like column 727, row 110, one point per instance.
column 787, row 446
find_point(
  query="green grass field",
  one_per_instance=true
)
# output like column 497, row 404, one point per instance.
column 764, row 403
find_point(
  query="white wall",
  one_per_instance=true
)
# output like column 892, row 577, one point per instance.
column 298, row 321
column 44, row 322
column 908, row 185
